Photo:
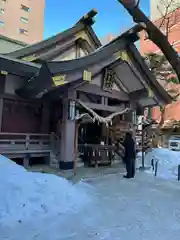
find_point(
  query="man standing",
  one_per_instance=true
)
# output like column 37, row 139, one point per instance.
column 130, row 155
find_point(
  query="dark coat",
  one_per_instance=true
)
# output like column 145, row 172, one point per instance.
column 130, row 151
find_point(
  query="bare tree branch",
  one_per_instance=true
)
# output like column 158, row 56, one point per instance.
column 156, row 36
column 167, row 5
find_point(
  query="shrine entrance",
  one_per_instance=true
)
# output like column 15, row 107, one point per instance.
column 94, row 147
column 90, row 133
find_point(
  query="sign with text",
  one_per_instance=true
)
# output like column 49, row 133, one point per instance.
column 108, row 79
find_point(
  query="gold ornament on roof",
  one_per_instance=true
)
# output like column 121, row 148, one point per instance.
column 59, row 80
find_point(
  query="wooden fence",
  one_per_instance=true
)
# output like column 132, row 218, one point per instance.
column 93, row 154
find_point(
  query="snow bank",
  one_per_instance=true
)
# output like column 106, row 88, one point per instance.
column 26, row 195
column 168, row 162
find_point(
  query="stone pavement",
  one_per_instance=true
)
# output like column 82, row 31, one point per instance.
column 82, row 172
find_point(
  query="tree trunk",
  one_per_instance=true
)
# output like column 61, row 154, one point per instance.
column 156, row 36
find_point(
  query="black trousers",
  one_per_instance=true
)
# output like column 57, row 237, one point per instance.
column 130, row 167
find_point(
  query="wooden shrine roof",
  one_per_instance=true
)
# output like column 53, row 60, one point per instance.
column 56, row 41
column 56, row 76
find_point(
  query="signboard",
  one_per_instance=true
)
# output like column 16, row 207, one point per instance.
column 108, row 79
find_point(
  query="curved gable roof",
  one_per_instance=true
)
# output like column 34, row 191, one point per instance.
column 84, row 23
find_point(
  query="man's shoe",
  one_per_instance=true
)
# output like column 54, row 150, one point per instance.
column 125, row 176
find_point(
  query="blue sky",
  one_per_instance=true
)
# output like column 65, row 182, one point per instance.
column 111, row 18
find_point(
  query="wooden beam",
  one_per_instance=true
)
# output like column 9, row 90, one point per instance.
column 103, row 107
column 104, row 55
column 18, row 67
column 97, row 90
column 17, row 98
column 52, row 53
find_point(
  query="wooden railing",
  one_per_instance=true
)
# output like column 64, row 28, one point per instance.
column 24, row 143
column 93, row 154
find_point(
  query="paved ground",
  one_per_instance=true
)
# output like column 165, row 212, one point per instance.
column 82, row 172
column 143, row 208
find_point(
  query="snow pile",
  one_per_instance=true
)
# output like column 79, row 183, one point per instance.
column 168, row 162
column 26, row 195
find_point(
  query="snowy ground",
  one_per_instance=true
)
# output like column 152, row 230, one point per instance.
column 168, row 162
column 108, row 207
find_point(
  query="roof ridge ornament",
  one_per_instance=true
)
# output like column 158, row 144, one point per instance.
column 88, row 18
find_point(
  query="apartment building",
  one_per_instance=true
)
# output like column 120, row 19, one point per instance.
column 160, row 7
column 22, row 20
column 173, row 28
column 157, row 10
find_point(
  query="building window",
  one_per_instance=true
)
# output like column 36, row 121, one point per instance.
column 2, row 10
column 25, row 8
column 23, row 31
column 24, row 19
column 1, row 24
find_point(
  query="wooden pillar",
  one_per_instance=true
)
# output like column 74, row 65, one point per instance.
column 76, row 148
column 67, row 140
column 26, row 162
column 1, row 113
column 67, row 134
column 106, row 101
column 102, row 100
